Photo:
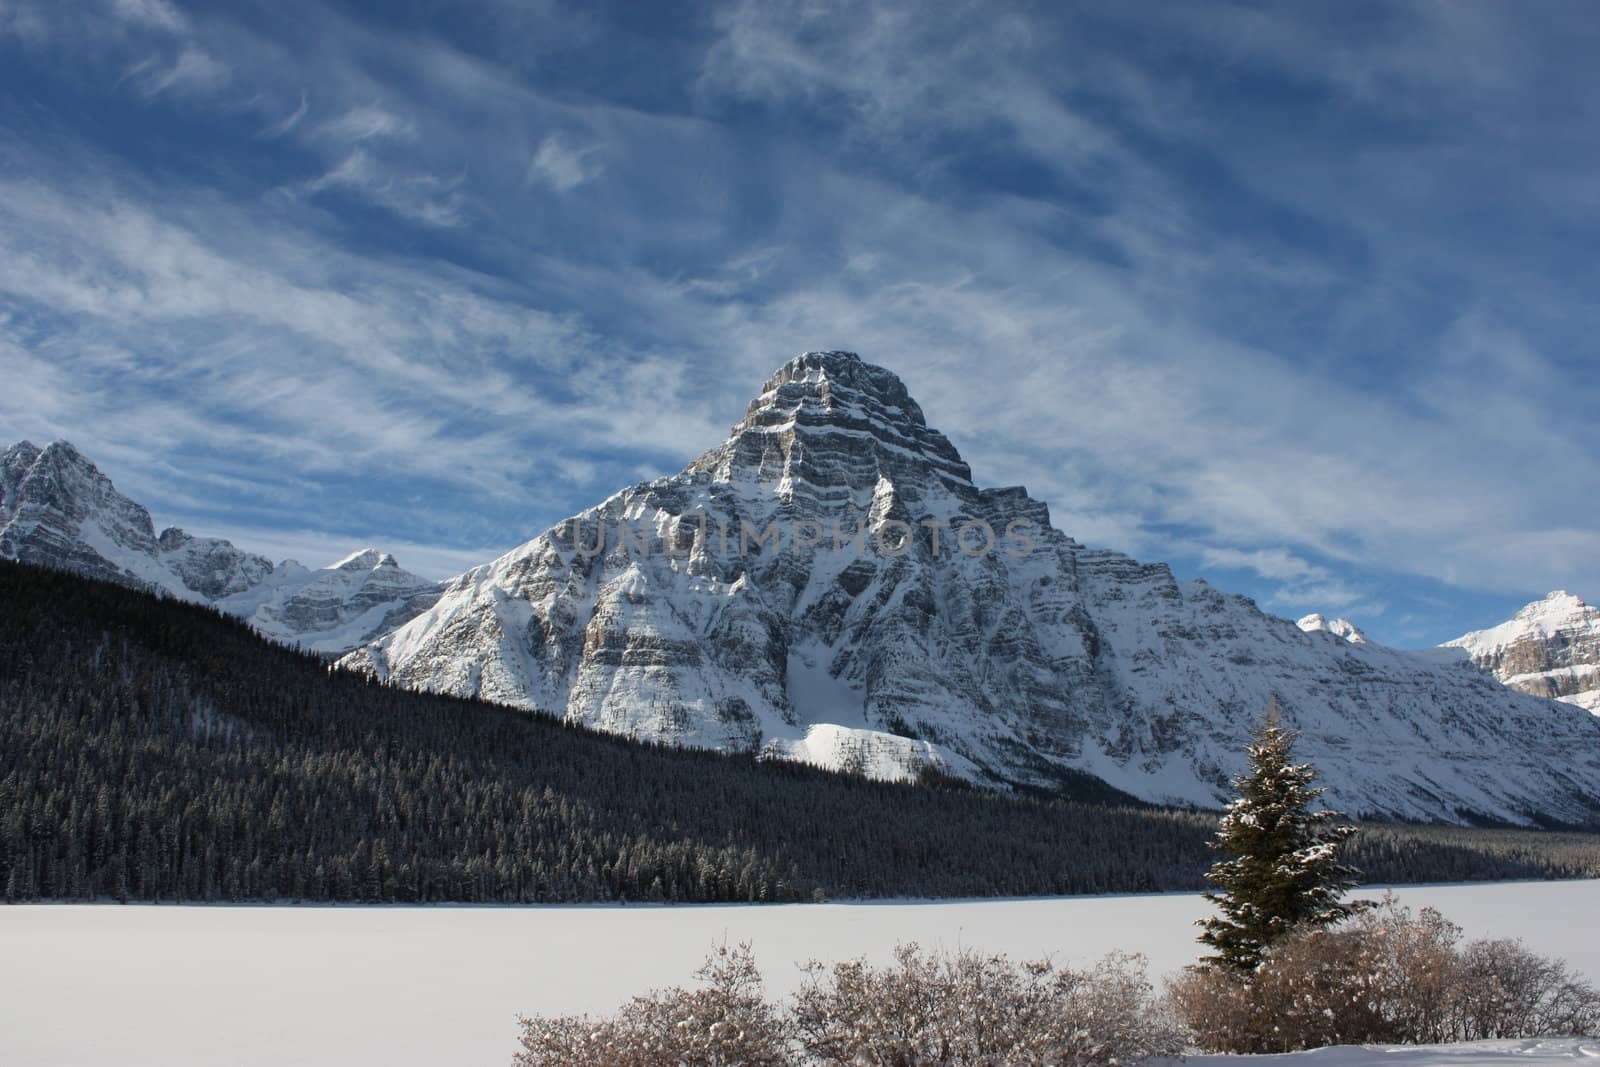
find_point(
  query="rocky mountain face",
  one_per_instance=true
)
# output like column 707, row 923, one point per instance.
column 1551, row 649
column 209, row 567
column 337, row 608
column 58, row 510
column 829, row 584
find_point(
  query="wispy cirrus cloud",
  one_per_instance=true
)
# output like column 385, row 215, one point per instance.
column 423, row 198
column 157, row 14
column 288, row 122
column 1297, row 299
column 159, row 341
column 365, row 123
column 192, row 70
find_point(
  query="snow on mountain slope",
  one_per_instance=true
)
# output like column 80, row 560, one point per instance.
column 1337, row 627
column 58, row 510
column 1551, row 649
column 337, row 608
column 829, row 584
column 210, row 566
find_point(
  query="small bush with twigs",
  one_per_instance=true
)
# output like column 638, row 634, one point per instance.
column 1386, row 976
column 972, row 1009
column 922, row 1010
column 725, row 1023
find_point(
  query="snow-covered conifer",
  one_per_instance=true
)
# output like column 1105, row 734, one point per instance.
column 1281, row 865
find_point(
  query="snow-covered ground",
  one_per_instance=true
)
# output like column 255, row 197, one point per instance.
column 170, row 985
column 1470, row 1054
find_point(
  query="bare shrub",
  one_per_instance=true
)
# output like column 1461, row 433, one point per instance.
column 1384, row 977
column 726, row 1023
column 1219, row 1009
column 1508, row 991
column 968, row 1009
column 961, row 1010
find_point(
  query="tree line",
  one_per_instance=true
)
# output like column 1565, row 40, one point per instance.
column 157, row 750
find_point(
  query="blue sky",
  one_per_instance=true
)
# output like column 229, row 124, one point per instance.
column 1297, row 297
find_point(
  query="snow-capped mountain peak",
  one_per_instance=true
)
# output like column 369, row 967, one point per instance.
column 58, row 510
column 1341, row 628
column 1551, row 648
column 1557, row 610
column 831, row 401
column 828, row 584
column 364, row 560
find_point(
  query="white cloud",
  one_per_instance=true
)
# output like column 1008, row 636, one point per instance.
column 368, row 156
column 366, row 123
column 289, row 121
column 24, row 23
column 193, row 70
column 1300, row 585
column 421, row 197
column 157, row 14
column 561, row 166
column 130, row 272
column 1276, row 563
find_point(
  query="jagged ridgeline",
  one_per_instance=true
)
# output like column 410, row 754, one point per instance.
column 153, row 749
column 58, row 510
column 830, row 584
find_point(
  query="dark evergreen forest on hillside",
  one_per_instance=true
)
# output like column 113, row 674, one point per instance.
column 156, row 750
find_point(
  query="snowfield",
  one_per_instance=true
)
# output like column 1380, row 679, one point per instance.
column 1469, row 1054
column 162, row 985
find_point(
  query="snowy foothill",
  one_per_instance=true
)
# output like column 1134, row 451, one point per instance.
column 166, row 984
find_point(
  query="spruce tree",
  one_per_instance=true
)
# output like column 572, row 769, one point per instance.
column 1282, row 867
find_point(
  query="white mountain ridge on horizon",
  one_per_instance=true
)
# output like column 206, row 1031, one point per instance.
column 58, row 509
column 1550, row 648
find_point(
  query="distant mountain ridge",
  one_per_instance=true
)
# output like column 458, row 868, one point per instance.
column 58, row 510
column 1551, row 648
column 1027, row 662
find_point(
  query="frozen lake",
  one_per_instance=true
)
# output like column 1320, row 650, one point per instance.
column 148, row 985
